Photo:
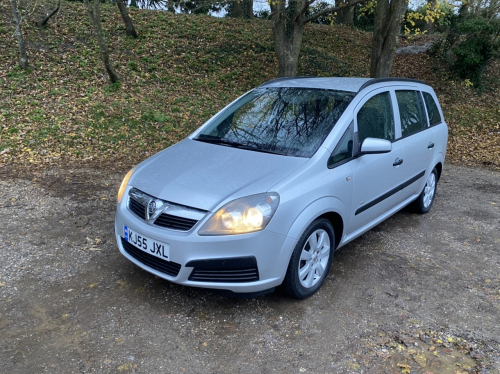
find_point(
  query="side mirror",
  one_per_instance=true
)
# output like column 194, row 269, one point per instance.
column 375, row 146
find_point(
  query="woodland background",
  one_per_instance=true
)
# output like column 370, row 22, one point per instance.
column 182, row 68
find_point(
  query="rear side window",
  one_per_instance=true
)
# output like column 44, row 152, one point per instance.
column 376, row 119
column 432, row 109
column 411, row 112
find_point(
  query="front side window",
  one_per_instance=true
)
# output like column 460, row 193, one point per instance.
column 288, row 121
column 343, row 150
column 376, row 119
column 432, row 109
column 411, row 112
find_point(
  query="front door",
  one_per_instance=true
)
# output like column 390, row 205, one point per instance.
column 375, row 176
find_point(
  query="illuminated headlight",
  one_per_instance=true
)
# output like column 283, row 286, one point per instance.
column 241, row 216
column 124, row 184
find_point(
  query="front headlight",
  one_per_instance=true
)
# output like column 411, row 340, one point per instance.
column 241, row 216
column 124, row 184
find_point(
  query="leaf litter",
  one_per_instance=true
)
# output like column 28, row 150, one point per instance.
column 177, row 74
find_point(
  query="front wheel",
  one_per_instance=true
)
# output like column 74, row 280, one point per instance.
column 311, row 260
column 424, row 202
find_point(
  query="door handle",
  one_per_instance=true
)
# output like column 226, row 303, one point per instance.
column 397, row 162
column 431, row 145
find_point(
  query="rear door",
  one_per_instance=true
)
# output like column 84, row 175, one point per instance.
column 375, row 176
column 417, row 138
column 436, row 122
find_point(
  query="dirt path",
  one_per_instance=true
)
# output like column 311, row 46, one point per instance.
column 415, row 294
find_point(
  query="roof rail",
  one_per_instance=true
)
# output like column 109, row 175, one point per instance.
column 381, row 80
column 283, row 79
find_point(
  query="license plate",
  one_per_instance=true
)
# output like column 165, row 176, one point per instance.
column 148, row 245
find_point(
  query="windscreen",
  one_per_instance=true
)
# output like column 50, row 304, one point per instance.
column 288, row 121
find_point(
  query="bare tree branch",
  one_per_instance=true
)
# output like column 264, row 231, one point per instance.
column 304, row 9
column 332, row 9
column 48, row 16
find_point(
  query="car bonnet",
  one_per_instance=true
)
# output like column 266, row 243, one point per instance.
column 202, row 175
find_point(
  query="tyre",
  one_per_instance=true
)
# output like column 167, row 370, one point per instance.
column 311, row 260
column 424, row 202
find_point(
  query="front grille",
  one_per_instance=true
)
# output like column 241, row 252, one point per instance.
column 177, row 217
column 176, row 223
column 137, row 208
column 166, row 267
column 230, row 276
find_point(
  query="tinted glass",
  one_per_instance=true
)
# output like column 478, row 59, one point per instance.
column 432, row 109
column 288, row 121
column 411, row 112
column 343, row 150
column 376, row 118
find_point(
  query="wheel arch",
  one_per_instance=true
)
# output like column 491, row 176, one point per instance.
column 438, row 163
column 439, row 169
column 337, row 224
column 330, row 208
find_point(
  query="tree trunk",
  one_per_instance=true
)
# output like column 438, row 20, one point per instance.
column 345, row 16
column 388, row 17
column 95, row 18
column 288, row 30
column 237, row 10
column 126, row 19
column 288, row 23
column 248, row 9
column 288, row 60
column 23, row 56
column 48, row 16
column 242, row 9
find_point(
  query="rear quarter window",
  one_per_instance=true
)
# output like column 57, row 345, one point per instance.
column 432, row 109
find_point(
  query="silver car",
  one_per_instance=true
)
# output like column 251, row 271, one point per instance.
column 264, row 192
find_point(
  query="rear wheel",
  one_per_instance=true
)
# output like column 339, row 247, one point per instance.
column 311, row 260
column 424, row 202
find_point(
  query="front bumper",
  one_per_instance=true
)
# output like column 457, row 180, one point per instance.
column 215, row 262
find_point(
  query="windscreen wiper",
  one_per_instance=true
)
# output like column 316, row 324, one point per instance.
column 229, row 143
column 257, row 149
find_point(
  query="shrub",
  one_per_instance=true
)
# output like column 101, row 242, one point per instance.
column 477, row 46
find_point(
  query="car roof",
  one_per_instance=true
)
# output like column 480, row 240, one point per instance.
column 341, row 84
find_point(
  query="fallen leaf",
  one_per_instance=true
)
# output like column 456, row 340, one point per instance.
column 421, row 360
column 405, row 369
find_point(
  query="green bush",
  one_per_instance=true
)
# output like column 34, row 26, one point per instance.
column 471, row 40
column 478, row 45
column 364, row 16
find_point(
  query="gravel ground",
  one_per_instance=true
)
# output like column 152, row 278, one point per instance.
column 417, row 294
